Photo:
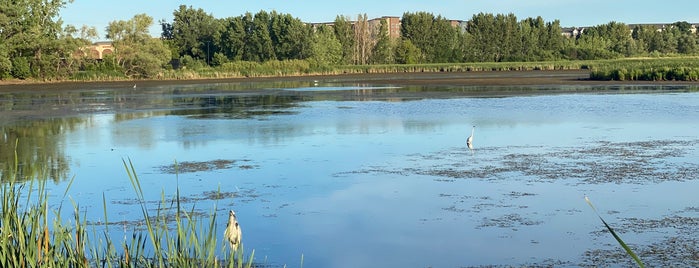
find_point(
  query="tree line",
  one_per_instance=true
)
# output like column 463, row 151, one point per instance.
column 35, row 44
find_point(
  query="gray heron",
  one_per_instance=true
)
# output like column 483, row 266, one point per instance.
column 232, row 233
column 469, row 141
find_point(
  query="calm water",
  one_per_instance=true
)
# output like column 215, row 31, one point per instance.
column 365, row 176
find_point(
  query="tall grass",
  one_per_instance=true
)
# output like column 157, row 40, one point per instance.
column 616, row 236
column 673, row 68
column 648, row 69
column 33, row 235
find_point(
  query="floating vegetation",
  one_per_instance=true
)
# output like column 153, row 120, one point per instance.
column 512, row 220
column 600, row 162
column 673, row 242
column 672, row 251
column 195, row 166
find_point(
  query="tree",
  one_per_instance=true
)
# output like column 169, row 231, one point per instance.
column 345, row 34
column 290, row 37
column 137, row 53
column 258, row 46
column 645, row 37
column 73, row 49
column 485, row 41
column 194, row 33
column 614, row 35
column 416, row 27
column 233, row 35
column 326, row 49
column 29, row 34
column 381, row 53
column 444, row 41
column 362, row 40
column 407, row 53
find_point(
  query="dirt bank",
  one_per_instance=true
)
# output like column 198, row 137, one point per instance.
column 513, row 78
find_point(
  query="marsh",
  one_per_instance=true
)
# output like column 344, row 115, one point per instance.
column 376, row 172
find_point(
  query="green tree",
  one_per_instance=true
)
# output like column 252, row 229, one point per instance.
column 290, row 37
column 326, row 49
column 30, row 32
column 645, row 37
column 345, row 34
column 381, row 53
column 233, row 37
column 194, row 33
column 484, row 37
column 258, row 45
column 616, row 38
column 434, row 36
column 445, row 37
column 407, row 53
column 137, row 53
column 417, row 28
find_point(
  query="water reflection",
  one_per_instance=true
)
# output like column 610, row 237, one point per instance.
column 35, row 148
column 345, row 163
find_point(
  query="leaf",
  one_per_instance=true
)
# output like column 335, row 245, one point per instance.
column 618, row 239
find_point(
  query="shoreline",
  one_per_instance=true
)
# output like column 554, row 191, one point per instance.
column 476, row 78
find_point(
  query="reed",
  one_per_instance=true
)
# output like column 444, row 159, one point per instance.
column 647, row 69
column 616, row 236
column 33, row 235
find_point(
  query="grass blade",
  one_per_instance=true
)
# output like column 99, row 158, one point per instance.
column 618, row 239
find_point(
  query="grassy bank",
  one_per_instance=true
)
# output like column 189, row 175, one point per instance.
column 651, row 69
column 34, row 234
column 648, row 69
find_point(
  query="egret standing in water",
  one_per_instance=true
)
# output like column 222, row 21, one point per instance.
column 232, row 233
column 469, row 141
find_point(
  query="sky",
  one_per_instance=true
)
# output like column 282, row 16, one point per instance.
column 578, row 13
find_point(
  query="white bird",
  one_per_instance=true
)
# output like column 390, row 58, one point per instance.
column 134, row 85
column 232, row 232
column 469, row 141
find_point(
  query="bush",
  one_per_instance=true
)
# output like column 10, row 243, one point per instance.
column 21, row 68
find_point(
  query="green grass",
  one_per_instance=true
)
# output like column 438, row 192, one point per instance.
column 677, row 68
column 33, row 235
column 616, row 236
column 648, row 69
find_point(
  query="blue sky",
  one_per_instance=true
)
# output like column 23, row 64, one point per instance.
column 569, row 12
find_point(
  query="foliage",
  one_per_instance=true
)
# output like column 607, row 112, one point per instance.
column 345, row 34
column 660, row 69
column 434, row 36
column 381, row 53
column 33, row 48
column 193, row 32
column 326, row 49
column 137, row 53
column 34, row 42
column 407, row 53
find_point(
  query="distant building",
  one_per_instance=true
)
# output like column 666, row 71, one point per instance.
column 460, row 24
column 573, row 32
column 98, row 50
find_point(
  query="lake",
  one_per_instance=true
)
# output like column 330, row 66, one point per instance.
column 344, row 174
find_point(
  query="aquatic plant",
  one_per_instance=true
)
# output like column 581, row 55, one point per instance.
column 34, row 235
column 648, row 69
column 616, row 236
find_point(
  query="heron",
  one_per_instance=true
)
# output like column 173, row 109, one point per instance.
column 134, row 85
column 232, row 232
column 469, row 141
